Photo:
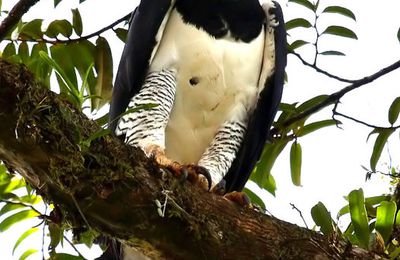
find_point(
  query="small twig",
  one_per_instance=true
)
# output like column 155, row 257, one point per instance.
column 336, row 113
column 301, row 214
column 166, row 193
column 73, row 246
column 14, row 16
column 43, row 233
column 395, row 175
column 80, row 211
column 316, row 68
column 316, row 39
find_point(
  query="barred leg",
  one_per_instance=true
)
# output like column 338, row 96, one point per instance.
column 218, row 157
column 146, row 128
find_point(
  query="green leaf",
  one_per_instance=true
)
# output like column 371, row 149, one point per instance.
column 398, row 35
column 370, row 201
column 322, row 218
column 56, row 2
column 62, row 55
column 254, row 198
column 375, row 200
column 56, row 233
column 316, row 126
column 85, row 80
column 12, row 185
column 359, row 217
column 39, row 67
column 64, row 256
column 295, row 163
column 122, row 34
column 30, row 199
column 23, row 236
column 137, row 109
column 298, row 22
column 27, row 253
column 304, row 3
column 311, row 103
column 395, row 253
column 269, row 184
column 340, row 31
column 68, row 87
column 88, row 237
column 261, row 175
column 340, row 10
column 104, row 69
column 398, row 218
column 32, row 30
column 385, row 217
column 96, row 135
column 59, row 27
column 17, row 217
column 394, row 110
column 344, row 210
column 10, row 207
column 82, row 56
column 297, row 44
column 23, row 52
column 102, row 121
column 378, row 146
column 337, row 53
column 9, row 50
column 77, row 22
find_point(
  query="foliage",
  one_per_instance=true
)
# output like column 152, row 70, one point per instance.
column 82, row 65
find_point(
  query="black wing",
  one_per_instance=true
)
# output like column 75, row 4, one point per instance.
column 261, row 120
column 145, row 23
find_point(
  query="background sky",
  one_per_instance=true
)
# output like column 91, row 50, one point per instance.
column 332, row 157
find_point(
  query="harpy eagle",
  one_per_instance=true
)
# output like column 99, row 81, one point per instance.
column 215, row 71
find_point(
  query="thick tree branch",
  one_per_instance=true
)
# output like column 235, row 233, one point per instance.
column 114, row 188
column 14, row 16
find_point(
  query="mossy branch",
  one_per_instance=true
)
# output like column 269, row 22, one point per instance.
column 112, row 187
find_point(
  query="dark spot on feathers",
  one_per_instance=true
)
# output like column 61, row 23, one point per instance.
column 194, row 81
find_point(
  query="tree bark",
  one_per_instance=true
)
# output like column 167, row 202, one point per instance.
column 112, row 188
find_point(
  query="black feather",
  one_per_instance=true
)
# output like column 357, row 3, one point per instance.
column 146, row 21
column 261, row 120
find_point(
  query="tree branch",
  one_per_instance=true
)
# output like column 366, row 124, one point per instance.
column 14, row 16
column 82, row 38
column 316, row 68
column 336, row 113
column 335, row 97
column 116, row 187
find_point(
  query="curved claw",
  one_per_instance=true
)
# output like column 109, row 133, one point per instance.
column 239, row 198
column 203, row 171
column 220, row 188
column 196, row 170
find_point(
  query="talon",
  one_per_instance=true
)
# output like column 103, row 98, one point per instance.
column 184, row 172
column 195, row 173
column 220, row 188
column 203, row 171
column 238, row 197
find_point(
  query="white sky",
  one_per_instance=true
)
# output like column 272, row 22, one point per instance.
column 331, row 157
